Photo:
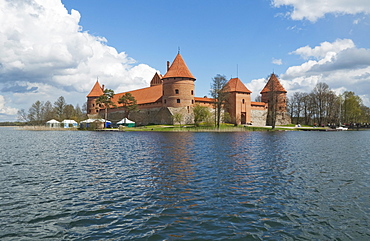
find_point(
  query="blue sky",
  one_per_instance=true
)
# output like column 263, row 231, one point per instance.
column 60, row 47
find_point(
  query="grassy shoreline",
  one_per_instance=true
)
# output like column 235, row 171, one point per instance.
column 189, row 128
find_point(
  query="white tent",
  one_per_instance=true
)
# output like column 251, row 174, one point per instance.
column 126, row 122
column 53, row 123
column 69, row 123
column 86, row 123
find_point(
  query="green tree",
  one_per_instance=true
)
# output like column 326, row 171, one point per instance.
column 351, row 107
column 129, row 103
column 69, row 111
column 201, row 113
column 178, row 117
column 106, row 100
column 219, row 93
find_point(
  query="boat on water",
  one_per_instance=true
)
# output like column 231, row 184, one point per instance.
column 341, row 128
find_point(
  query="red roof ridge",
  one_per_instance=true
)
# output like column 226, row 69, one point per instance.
column 236, row 85
column 273, row 80
column 178, row 69
column 96, row 91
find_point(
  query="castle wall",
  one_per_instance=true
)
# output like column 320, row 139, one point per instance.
column 259, row 117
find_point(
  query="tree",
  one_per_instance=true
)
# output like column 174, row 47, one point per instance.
column 35, row 113
column 59, row 106
column 48, row 111
column 69, row 111
column 106, row 100
column 220, row 94
column 178, row 117
column 201, row 113
column 351, row 107
column 128, row 102
column 273, row 96
column 22, row 115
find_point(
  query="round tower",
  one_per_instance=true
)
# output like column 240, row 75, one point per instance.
column 92, row 107
column 178, row 85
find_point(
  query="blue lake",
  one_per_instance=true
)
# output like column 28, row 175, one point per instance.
column 82, row 185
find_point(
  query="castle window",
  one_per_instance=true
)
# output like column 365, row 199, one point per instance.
column 178, row 100
column 165, row 101
column 192, row 92
column 176, row 91
column 243, row 101
column 192, row 101
column 93, row 105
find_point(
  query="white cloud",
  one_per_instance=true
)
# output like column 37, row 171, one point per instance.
column 4, row 109
column 43, row 47
column 324, row 49
column 315, row 9
column 340, row 64
column 277, row 61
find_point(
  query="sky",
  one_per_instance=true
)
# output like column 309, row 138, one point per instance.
column 52, row 48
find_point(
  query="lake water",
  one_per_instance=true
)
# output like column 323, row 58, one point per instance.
column 82, row 185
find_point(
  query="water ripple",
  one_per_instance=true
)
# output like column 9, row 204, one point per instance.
column 184, row 186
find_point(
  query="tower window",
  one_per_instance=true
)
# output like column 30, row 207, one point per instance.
column 165, row 101
column 93, row 105
column 176, row 91
column 192, row 101
column 192, row 92
column 178, row 100
column 243, row 101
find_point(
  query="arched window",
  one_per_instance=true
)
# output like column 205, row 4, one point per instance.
column 177, row 91
column 243, row 101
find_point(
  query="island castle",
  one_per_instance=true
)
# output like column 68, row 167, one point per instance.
column 174, row 93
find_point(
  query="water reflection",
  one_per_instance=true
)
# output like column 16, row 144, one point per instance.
column 168, row 186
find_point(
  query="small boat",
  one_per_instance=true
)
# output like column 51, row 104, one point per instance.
column 341, row 128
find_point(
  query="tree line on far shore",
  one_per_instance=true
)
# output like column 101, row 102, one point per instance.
column 40, row 112
column 322, row 106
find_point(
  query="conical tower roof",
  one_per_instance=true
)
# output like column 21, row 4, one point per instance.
column 178, row 69
column 96, row 91
column 273, row 84
column 235, row 85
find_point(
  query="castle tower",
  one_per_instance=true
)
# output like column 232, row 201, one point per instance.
column 178, row 85
column 97, row 90
column 239, row 102
column 275, row 95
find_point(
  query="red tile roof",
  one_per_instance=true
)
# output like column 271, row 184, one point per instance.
column 96, row 91
column 142, row 96
column 235, row 85
column 205, row 99
column 178, row 69
column 258, row 103
column 273, row 84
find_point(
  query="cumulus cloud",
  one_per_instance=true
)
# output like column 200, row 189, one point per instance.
column 315, row 9
column 43, row 47
column 339, row 64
